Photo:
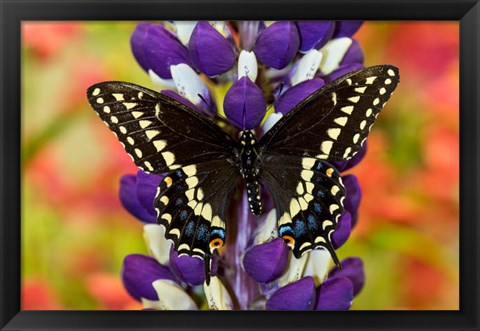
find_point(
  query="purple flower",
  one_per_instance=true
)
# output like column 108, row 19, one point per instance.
column 137, row 194
column 352, row 268
column 314, row 34
column 244, row 104
column 210, row 51
column 299, row 295
column 138, row 274
column 157, row 49
column 266, row 262
column 335, row 294
column 297, row 93
column 277, row 45
column 190, row 269
column 278, row 65
column 354, row 195
column 346, row 28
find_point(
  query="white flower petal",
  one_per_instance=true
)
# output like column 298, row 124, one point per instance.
column 294, row 270
column 189, row 84
column 318, row 265
column 157, row 244
column 271, row 121
column 217, row 295
column 160, row 82
column 333, row 53
column 307, row 66
column 267, row 230
column 171, row 297
column 247, row 65
column 184, row 30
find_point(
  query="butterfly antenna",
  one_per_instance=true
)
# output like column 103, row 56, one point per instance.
column 334, row 256
column 280, row 90
column 207, row 269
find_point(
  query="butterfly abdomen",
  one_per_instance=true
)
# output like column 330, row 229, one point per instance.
column 250, row 170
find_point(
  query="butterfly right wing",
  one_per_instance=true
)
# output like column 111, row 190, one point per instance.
column 164, row 136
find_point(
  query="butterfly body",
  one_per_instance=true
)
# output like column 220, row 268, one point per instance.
column 293, row 160
column 249, row 168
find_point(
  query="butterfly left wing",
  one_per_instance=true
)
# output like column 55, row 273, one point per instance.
column 330, row 125
column 165, row 136
column 191, row 203
column 159, row 133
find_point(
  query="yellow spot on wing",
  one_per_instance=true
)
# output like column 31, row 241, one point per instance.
column 129, row 105
column 168, row 157
column 118, row 96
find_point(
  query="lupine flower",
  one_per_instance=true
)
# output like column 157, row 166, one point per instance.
column 246, row 67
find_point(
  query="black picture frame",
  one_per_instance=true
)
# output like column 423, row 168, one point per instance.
column 12, row 12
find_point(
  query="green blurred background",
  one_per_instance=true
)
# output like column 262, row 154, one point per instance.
column 75, row 232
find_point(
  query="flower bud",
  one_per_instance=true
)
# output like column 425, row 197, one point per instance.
column 299, row 295
column 314, row 34
column 210, row 51
column 277, row 45
column 244, row 104
column 335, row 294
column 138, row 274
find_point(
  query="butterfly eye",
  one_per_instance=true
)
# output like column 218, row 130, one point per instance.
column 289, row 240
column 216, row 243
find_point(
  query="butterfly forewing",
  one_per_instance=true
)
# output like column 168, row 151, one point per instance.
column 147, row 124
column 333, row 122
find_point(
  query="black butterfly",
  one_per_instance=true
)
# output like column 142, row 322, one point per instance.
column 293, row 159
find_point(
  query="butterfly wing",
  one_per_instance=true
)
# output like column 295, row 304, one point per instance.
column 308, row 194
column 296, row 154
column 165, row 136
column 191, row 203
column 334, row 121
column 159, row 133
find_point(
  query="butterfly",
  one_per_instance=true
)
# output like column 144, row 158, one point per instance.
column 293, row 160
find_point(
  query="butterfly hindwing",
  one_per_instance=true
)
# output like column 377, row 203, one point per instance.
column 159, row 133
column 334, row 121
column 308, row 194
column 191, row 203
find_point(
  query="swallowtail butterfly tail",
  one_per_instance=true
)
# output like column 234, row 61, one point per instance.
column 203, row 163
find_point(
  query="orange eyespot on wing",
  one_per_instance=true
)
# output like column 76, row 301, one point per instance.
column 216, row 243
column 289, row 240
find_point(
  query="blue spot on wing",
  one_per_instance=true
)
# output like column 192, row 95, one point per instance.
column 219, row 232
column 312, row 222
column 299, row 228
column 183, row 215
column 202, row 233
column 317, row 207
column 189, row 229
column 283, row 229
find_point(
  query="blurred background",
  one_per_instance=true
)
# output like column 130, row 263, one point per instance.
column 75, row 233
